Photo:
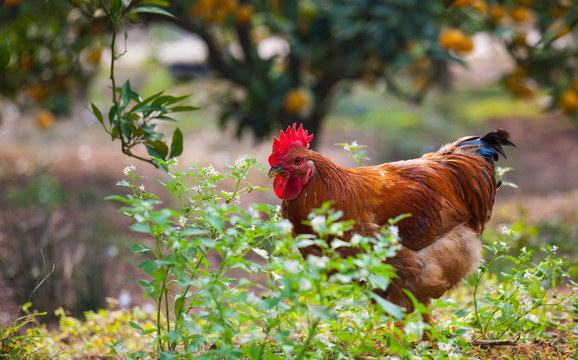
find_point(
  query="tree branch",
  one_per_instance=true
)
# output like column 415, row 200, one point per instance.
column 494, row 343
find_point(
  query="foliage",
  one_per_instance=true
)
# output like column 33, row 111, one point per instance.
column 229, row 282
column 325, row 45
column 15, row 345
column 217, row 314
column 540, row 36
column 136, row 125
column 99, row 332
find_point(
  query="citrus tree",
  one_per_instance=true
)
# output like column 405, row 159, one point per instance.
column 323, row 46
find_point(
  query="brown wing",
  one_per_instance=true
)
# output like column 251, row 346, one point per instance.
column 445, row 189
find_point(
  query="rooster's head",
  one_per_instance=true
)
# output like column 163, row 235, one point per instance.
column 290, row 163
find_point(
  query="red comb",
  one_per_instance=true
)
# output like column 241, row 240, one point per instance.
column 292, row 137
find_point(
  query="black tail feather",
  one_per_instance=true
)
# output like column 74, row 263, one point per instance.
column 496, row 139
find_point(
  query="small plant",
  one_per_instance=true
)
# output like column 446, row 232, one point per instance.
column 356, row 151
column 514, row 306
column 136, row 125
column 230, row 282
column 15, row 342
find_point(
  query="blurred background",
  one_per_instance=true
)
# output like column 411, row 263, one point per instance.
column 402, row 77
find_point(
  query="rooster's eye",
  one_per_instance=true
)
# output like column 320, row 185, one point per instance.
column 297, row 161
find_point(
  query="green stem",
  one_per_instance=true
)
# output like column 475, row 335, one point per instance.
column 476, row 285
column 310, row 335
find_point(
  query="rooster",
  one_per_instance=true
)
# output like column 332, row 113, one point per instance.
column 448, row 193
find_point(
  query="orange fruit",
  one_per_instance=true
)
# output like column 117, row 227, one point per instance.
column 520, row 13
column 294, row 101
column 45, row 119
column 230, row 6
column 38, row 92
column 461, row 3
column 527, row 88
column 421, row 83
column 25, row 62
column 244, row 14
column 466, row 45
column 479, row 6
column 497, row 12
column 520, row 39
column 558, row 12
column 368, row 77
column 93, row 56
column 569, row 101
column 451, row 38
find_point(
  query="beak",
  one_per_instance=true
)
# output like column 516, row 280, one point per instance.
column 274, row 171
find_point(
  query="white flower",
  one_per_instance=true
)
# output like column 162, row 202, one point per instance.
column 196, row 188
column 292, row 266
column 252, row 298
column 528, row 275
column 286, row 226
column 173, row 163
column 445, row 347
column 142, row 188
column 356, row 239
column 318, row 222
column 414, row 328
column 523, row 250
column 254, row 213
column 505, row 230
column 182, row 221
column 210, row 171
column 237, row 199
column 241, row 163
column 393, row 231
column 128, row 169
column 262, row 253
column 320, row 262
column 554, row 248
column 351, row 146
column 526, row 304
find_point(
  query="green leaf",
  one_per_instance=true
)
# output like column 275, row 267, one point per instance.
column 97, row 113
column 160, row 146
column 140, row 248
column 184, row 108
column 148, row 267
column 154, row 153
column 462, row 312
column 138, row 227
column 387, row 306
column 135, row 326
column 552, row 33
column 123, row 182
column 166, row 356
column 5, row 54
column 176, row 144
column 150, row 10
column 117, row 198
column 126, row 94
